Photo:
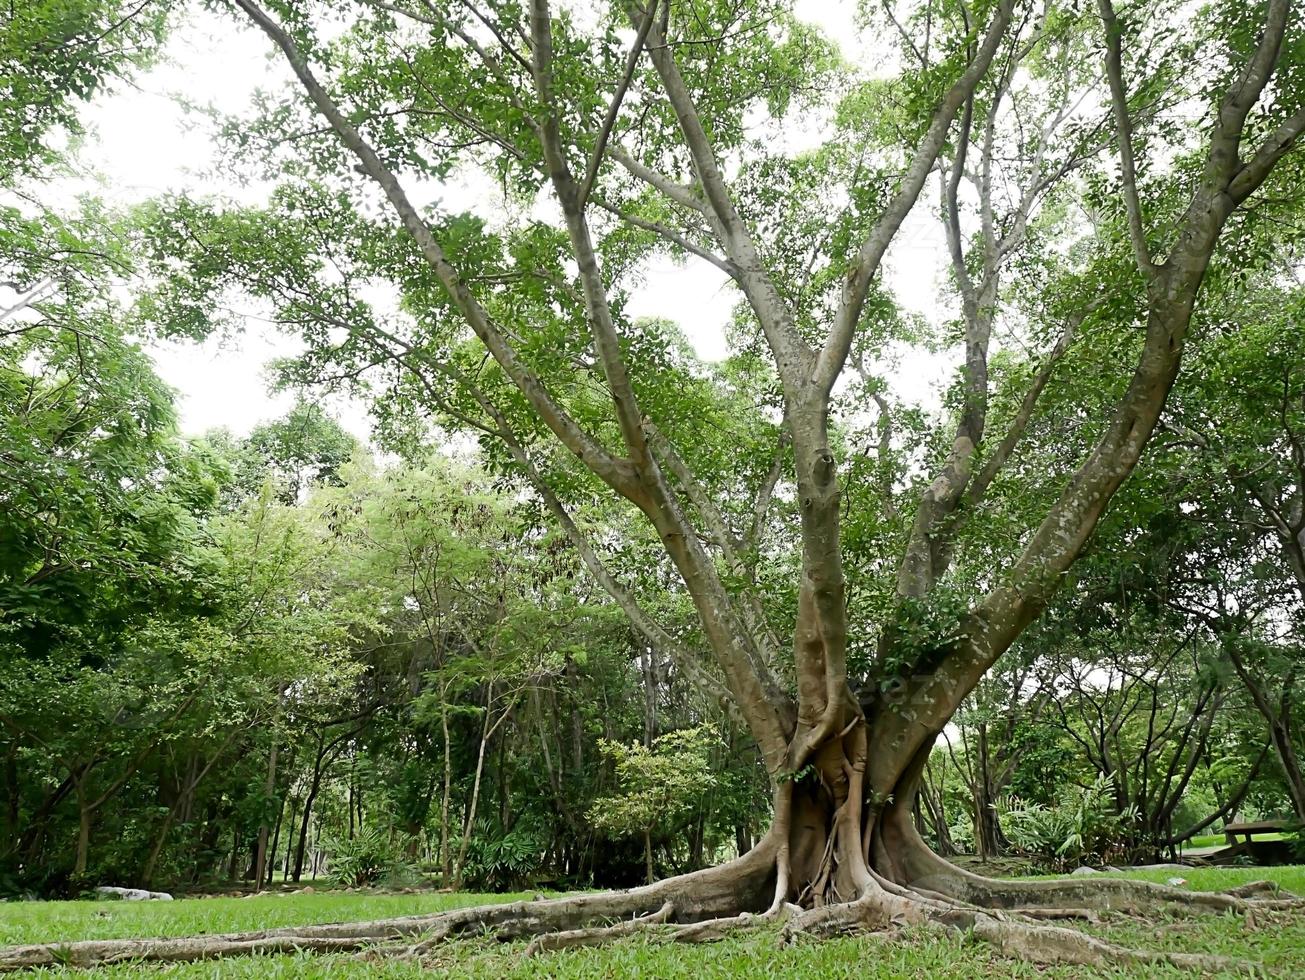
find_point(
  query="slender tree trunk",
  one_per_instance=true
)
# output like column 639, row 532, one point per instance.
column 84, row 816
column 269, row 788
column 309, row 799
column 38, row 824
column 446, row 862
column 233, row 871
column 936, row 816
column 986, row 835
column 11, row 809
column 470, row 819
column 276, row 842
column 1277, row 718
column 649, row 695
column 156, row 851
column 304, row 826
column 648, row 856
column 1285, row 747
column 289, row 839
column 358, row 795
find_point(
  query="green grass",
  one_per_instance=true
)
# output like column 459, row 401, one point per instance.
column 1218, row 840
column 47, row 922
column 1277, row 941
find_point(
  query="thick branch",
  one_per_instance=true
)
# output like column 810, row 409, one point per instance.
column 612, row 471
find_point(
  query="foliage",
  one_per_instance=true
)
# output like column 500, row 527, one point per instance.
column 1081, row 827
column 370, row 857
column 57, row 54
column 502, row 862
column 660, row 783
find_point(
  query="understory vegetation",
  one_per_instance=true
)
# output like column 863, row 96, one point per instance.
column 785, row 627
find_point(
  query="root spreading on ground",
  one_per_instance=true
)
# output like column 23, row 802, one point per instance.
column 751, row 892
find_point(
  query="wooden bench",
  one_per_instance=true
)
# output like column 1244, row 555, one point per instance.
column 1246, row 831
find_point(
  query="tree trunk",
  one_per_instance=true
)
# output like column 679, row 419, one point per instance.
column 648, row 857
column 11, row 831
column 311, row 798
column 84, row 814
column 987, row 832
column 38, row 825
column 269, row 788
column 1285, row 747
column 446, row 857
column 649, row 664
column 289, row 839
column 233, row 871
column 1277, row 718
column 156, row 851
column 304, row 821
column 469, row 820
column 276, row 842
column 936, row 816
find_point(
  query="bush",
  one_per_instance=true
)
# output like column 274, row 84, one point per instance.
column 499, row 862
column 962, row 834
column 1080, row 828
column 370, row 857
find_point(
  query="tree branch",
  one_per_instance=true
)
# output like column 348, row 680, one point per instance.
column 616, row 473
column 631, row 61
column 856, row 285
column 1124, row 133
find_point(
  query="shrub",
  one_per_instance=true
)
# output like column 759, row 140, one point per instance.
column 370, row 857
column 1082, row 826
column 501, row 862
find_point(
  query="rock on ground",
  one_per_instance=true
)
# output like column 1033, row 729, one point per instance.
column 132, row 894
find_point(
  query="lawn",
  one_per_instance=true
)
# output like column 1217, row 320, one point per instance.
column 1277, row 941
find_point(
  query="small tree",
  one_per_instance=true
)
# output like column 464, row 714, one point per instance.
column 662, row 784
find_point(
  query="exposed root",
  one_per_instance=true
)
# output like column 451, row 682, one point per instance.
column 105, row 951
column 926, row 872
column 881, row 911
column 921, row 890
column 599, row 934
column 875, row 911
column 1084, row 915
column 1056, row 944
column 1258, row 889
column 1104, row 894
column 714, row 930
column 721, row 891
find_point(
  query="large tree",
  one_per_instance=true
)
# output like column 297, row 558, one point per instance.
column 622, row 130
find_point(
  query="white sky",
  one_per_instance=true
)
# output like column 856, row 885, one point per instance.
column 142, row 143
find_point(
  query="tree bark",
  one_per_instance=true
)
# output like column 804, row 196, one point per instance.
column 649, row 872
column 84, row 815
column 269, row 789
column 469, row 818
column 446, row 862
column 1278, row 720
column 306, row 816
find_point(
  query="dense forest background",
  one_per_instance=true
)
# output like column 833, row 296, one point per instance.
column 261, row 658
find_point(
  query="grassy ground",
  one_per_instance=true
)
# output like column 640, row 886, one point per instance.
column 1218, row 840
column 1277, row 941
